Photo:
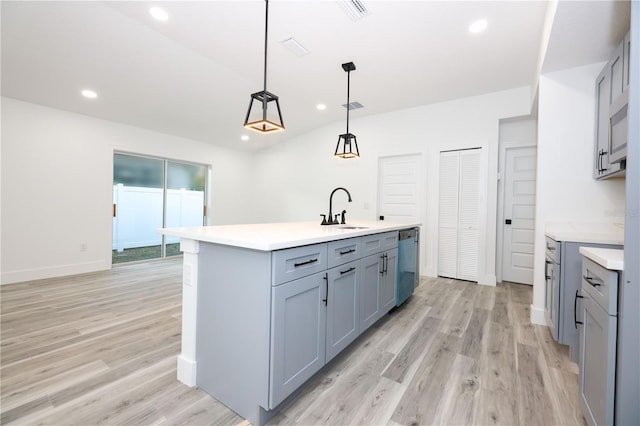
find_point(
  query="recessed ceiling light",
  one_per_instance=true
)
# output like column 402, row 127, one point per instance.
column 478, row 26
column 159, row 13
column 321, row 107
column 89, row 94
column 244, row 137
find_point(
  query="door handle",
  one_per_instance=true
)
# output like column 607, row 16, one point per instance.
column 507, row 221
column 590, row 281
column 575, row 306
column 326, row 289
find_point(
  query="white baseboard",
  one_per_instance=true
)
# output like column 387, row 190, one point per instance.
column 11, row 277
column 187, row 371
column 537, row 315
column 489, row 280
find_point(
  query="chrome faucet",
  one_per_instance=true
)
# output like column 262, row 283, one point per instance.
column 331, row 220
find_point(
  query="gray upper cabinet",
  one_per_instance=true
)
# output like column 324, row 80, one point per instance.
column 297, row 347
column 612, row 100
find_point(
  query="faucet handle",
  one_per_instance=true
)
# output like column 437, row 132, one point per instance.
column 336, row 220
column 324, row 219
column 344, row 212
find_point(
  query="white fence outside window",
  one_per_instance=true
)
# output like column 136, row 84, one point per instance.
column 139, row 214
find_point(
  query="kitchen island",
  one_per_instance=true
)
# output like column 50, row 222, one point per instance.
column 265, row 306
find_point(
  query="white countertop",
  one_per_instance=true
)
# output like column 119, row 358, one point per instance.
column 607, row 258
column 276, row 236
column 600, row 233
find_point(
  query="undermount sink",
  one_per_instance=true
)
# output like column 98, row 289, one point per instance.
column 353, row 227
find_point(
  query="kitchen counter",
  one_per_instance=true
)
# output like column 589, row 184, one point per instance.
column 611, row 259
column 601, row 233
column 276, row 236
column 259, row 302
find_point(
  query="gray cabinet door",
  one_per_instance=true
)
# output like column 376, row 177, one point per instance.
column 597, row 362
column 609, row 92
column 372, row 270
column 389, row 282
column 297, row 334
column 342, row 307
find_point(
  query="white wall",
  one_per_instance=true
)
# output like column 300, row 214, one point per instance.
column 297, row 176
column 53, row 156
column 566, row 190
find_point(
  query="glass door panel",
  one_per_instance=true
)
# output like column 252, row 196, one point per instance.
column 138, row 201
column 185, row 199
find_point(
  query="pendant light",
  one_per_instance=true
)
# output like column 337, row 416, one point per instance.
column 347, row 146
column 264, row 98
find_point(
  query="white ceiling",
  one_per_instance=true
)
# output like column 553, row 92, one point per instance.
column 192, row 75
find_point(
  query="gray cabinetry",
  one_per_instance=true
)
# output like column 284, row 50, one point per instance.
column 379, row 281
column 598, row 343
column 389, row 281
column 297, row 347
column 370, row 290
column 564, row 264
column 343, row 251
column 612, row 100
column 342, row 307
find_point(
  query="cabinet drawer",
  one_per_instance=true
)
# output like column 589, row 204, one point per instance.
column 601, row 284
column 298, row 262
column 376, row 243
column 343, row 251
column 552, row 249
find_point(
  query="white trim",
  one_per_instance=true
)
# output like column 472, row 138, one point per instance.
column 55, row 271
column 537, row 315
column 187, row 371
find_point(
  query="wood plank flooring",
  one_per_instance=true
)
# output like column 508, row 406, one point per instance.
column 101, row 348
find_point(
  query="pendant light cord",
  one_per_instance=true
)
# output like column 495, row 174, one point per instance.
column 348, row 107
column 266, row 32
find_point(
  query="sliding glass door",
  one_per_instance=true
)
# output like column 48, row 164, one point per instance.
column 151, row 193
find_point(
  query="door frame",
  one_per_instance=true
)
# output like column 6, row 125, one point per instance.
column 207, row 195
column 502, row 158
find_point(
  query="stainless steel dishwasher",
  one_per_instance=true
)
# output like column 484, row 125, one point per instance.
column 408, row 263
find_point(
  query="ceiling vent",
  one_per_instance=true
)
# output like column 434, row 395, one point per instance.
column 353, row 105
column 354, row 8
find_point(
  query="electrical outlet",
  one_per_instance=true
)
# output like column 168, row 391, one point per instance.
column 83, row 246
column 366, row 206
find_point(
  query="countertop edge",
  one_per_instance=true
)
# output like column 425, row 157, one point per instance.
column 612, row 259
column 208, row 234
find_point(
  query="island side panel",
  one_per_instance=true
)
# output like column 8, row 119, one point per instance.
column 187, row 359
column 233, row 326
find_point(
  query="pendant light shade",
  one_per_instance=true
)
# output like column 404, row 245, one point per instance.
column 347, row 146
column 259, row 117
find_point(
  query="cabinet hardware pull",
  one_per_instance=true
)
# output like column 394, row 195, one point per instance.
column 342, row 253
column 114, row 210
column 305, row 263
column 348, row 270
column 326, row 288
column 382, row 257
column 589, row 280
column 575, row 306
column 550, row 248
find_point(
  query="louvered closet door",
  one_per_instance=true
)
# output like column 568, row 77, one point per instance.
column 459, row 214
column 448, row 214
column 468, row 215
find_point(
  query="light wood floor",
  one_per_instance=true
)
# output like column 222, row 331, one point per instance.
column 101, row 349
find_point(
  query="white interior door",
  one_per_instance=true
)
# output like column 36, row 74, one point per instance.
column 398, row 187
column 448, row 214
column 469, row 215
column 459, row 214
column 519, row 215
